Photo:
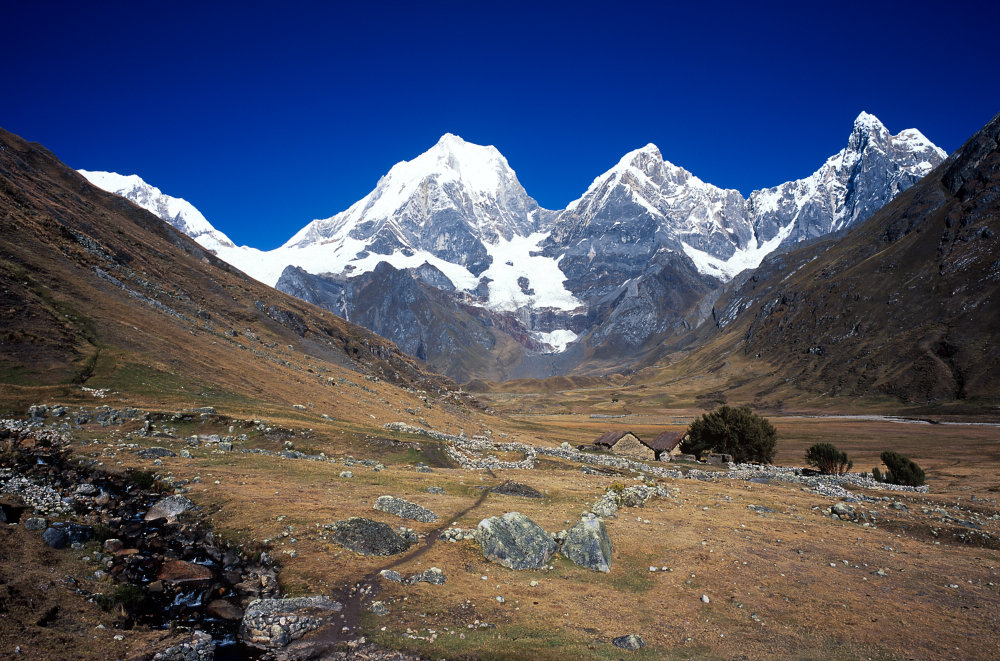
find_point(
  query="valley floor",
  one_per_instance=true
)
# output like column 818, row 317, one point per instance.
column 720, row 568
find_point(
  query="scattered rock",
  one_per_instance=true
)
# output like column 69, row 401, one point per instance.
column 760, row 509
column 200, row 646
column 35, row 523
column 433, row 575
column 843, row 510
column 437, row 490
column 404, row 509
column 629, row 642
column 368, row 537
column 156, row 453
column 378, row 608
column 705, row 599
column 346, row 474
column 168, row 508
column 86, row 489
column 515, row 541
column 588, row 545
column 516, row 489
column 390, row 575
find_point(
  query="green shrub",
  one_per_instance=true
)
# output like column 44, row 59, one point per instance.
column 901, row 470
column 736, row 431
column 143, row 479
column 125, row 598
column 828, row 459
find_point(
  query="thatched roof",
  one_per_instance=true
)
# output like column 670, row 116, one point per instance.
column 608, row 439
column 665, row 441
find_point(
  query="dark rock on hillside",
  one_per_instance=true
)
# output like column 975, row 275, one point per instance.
column 368, row 537
column 516, row 489
column 629, row 642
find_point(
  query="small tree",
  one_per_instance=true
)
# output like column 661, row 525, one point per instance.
column 901, row 470
column 828, row 459
column 736, row 431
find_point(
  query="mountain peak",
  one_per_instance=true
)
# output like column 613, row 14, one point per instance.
column 867, row 120
column 174, row 210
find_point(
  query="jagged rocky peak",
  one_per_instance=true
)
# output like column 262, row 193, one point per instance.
column 454, row 194
column 178, row 212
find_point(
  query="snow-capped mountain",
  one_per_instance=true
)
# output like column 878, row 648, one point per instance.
column 637, row 256
column 458, row 207
column 646, row 206
column 178, row 212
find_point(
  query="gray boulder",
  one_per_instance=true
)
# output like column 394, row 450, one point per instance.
column 843, row 510
column 156, row 453
column 404, row 509
column 515, row 541
column 36, row 523
column 55, row 537
column 605, row 506
column 368, row 537
column 59, row 535
column 391, row 575
column 588, row 545
column 274, row 623
column 169, row 508
column 433, row 576
column 630, row 642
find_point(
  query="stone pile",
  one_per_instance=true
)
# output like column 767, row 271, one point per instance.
column 274, row 623
column 404, row 509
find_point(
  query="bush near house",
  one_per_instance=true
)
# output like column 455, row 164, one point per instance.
column 899, row 470
column 738, row 431
column 828, row 459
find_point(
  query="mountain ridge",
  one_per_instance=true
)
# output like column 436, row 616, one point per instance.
column 642, row 228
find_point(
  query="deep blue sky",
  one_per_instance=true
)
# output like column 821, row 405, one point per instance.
column 267, row 115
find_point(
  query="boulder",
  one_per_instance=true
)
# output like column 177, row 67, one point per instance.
column 391, row 575
column 368, row 537
column 404, row 509
column 515, row 541
column 516, row 489
column 843, row 510
column 156, row 453
column 168, row 508
column 588, row 545
column 629, row 642
column 605, row 506
column 59, row 535
column 224, row 610
column 274, row 623
column 35, row 523
column 184, row 574
column 55, row 537
column 433, row 576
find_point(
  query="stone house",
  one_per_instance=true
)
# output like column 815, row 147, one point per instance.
column 666, row 445
column 626, row 444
